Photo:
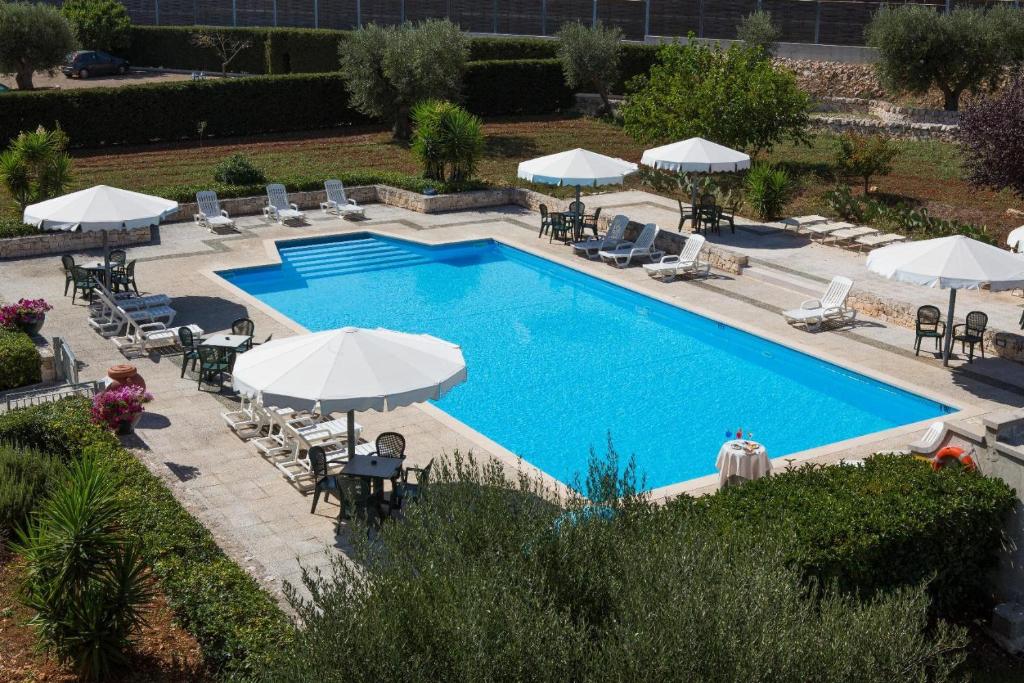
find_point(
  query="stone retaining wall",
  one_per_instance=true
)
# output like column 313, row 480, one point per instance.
column 904, row 130
column 672, row 243
column 887, row 111
column 878, row 117
column 66, row 242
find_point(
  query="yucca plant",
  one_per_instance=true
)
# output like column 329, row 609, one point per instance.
column 768, row 190
column 448, row 140
column 36, row 166
column 85, row 577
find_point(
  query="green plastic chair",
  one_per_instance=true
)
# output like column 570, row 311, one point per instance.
column 928, row 326
column 190, row 348
column 83, row 283
column 211, row 363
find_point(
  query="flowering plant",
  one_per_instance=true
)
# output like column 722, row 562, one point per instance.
column 24, row 313
column 114, row 406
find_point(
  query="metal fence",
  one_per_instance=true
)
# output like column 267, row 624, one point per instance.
column 35, row 397
column 834, row 22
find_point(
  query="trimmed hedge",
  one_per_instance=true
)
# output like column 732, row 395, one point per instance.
column 525, row 86
column 237, row 624
column 171, row 47
column 490, row 49
column 19, row 360
column 170, row 111
column 302, row 50
column 893, row 522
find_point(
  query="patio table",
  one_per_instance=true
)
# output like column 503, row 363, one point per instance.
column 742, row 459
column 230, row 342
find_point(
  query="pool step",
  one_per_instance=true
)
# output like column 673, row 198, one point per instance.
column 346, row 257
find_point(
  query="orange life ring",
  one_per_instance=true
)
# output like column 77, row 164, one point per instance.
column 953, row 453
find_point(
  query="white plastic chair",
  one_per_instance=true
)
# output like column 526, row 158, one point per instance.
column 616, row 231
column 210, row 215
column 337, row 203
column 278, row 207
column 622, row 255
column 686, row 262
column 813, row 313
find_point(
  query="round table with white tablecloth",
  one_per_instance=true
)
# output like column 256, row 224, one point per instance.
column 742, row 459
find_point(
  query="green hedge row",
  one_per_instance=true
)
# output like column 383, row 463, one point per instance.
column 19, row 360
column 237, row 624
column 893, row 522
column 299, row 50
column 261, row 104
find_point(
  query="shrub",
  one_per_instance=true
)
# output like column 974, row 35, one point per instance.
column 85, row 579
column 757, row 30
column 19, row 360
column 99, row 24
column 238, row 169
column 302, row 50
column 24, row 314
column 734, row 97
column 893, row 522
column 13, row 227
column 36, row 166
column 447, row 140
column 913, row 222
column 26, row 475
column 528, row 86
column 387, row 70
column 919, row 47
column 172, row 47
column 237, row 624
column 590, row 57
column 992, row 135
column 482, row 49
column 114, row 407
column 33, row 37
column 864, row 156
column 501, row 584
column 227, row 46
column 767, row 190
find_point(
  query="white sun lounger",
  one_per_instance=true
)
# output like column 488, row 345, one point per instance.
column 210, row 215
column 851, row 234
column 880, row 240
column 302, row 434
column 813, row 313
column 823, row 230
column 115, row 317
column 613, row 238
column 337, row 203
column 622, row 255
column 686, row 262
column 278, row 207
column 801, row 222
column 930, row 441
column 141, row 337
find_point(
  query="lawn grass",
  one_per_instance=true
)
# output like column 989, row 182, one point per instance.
column 927, row 173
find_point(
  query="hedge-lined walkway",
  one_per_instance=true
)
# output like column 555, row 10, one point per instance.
column 259, row 518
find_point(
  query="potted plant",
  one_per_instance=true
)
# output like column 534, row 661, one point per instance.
column 27, row 315
column 120, row 408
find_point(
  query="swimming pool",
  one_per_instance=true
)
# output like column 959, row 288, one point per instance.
column 557, row 359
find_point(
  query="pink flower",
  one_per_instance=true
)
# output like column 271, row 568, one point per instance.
column 118, row 405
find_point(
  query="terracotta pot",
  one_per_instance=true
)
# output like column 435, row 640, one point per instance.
column 125, row 375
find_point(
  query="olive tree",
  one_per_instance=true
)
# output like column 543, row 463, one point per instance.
column 388, row 69
column 919, row 48
column 32, row 38
column 758, row 30
column 99, row 24
column 733, row 97
column 590, row 57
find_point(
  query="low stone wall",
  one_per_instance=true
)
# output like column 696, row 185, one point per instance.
column 66, row 242
column 249, row 206
column 672, row 243
column 904, row 130
column 1008, row 345
column 878, row 117
column 887, row 111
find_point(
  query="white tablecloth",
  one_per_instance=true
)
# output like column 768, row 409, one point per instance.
column 736, row 461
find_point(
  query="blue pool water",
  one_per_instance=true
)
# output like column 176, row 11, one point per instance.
column 557, row 358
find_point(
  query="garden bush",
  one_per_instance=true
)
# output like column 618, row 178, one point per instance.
column 26, row 475
column 488, row 579
column 85, row 576
column 906, row 220
column 239, row 169
column 893, row 522
column 992, row 135
column 19, row 360
column 99, row 24
column 13, row 227
column 447, row 140
column 528, row 86
column 767, row 190
column 237, row 624
column 865, row 156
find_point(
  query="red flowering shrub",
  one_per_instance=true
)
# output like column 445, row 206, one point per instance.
column 122, row 404
column 23, row 314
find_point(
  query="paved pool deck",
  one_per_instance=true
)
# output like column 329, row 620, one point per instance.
column 264, row 521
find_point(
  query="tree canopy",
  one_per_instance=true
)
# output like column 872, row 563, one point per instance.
column 590, row 57
column 99, row 24
column 992, row 135
column 33, row 37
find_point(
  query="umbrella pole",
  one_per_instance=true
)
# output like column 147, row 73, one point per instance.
column 106, row 259
column 949, row 328
column 351, row 433
column 693, row 204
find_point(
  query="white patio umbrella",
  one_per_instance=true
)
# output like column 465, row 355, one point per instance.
column 576, row 167
column 952, row 263
column 695, row 155
column 1016, row 239
column 350, row 369
column 99, row 208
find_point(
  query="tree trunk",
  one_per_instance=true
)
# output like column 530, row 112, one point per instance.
column 403, row 125
column 867, row 183
column 24, row 77
column 606, row 105
column 952, row 99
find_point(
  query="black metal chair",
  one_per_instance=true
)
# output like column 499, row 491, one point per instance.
column 545, row 220
column 118, row 257
column 123, row 278
column 684, row 216
column 246, row 327
column 68, row 262
column 212, row 363
column 390, row 445
column 928, row 325
column 322, row 481
column 190, row 348
column 973, row 333
column 83, row 283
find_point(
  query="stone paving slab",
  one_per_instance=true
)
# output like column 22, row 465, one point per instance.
column 264, row 521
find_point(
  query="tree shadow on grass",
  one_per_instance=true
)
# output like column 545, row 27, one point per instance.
column 819, row 170
column 510, row 146
column 894, row 199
